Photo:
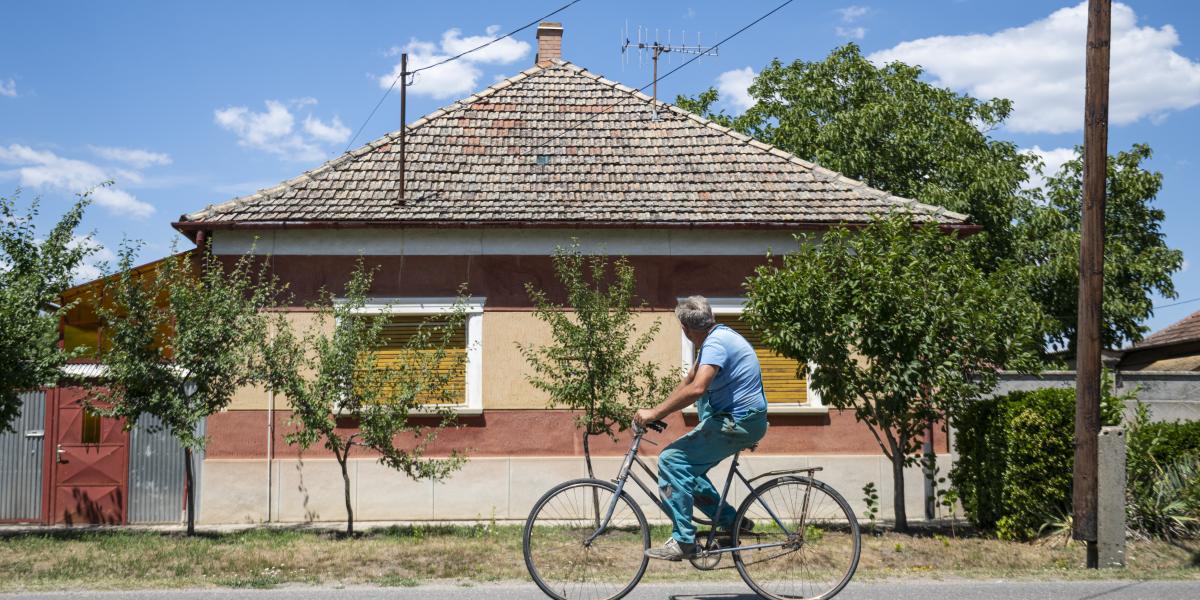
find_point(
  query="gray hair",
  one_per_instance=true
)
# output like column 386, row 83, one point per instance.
column 695, row 313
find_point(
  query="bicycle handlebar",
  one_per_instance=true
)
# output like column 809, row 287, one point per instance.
column 659, row 426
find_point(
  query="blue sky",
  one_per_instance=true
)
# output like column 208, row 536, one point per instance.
column 187, row 104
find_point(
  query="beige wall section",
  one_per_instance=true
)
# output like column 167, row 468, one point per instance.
column 235, row 491
column 255, row 398
column 505, row 369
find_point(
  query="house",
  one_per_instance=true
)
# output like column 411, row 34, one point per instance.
column 1162, row 372
column 492, row 185
column 1173, row 348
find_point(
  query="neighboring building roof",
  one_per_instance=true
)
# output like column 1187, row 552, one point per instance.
column 1174, row 348
column 1185, row 330
column 522, row 153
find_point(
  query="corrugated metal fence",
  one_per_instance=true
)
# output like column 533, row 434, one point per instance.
column 156, row 477
column 21, row 461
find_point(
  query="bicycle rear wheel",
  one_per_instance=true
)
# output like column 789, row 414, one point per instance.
column 557, row 554
column 816, row 550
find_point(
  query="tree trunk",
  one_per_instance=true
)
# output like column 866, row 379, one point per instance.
column 343, row 459
column 587, row 458
column 587, row 454
column 898, row 495
column 190, row 490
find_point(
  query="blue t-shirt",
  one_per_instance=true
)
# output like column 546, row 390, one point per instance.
column 737, row 389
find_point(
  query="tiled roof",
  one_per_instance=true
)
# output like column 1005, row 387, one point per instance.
column 477, row 161
column 1185, row 330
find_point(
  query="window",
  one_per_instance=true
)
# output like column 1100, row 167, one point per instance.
column 406, row 315
column 90, row 431
column 399, row 332
column 785, row 392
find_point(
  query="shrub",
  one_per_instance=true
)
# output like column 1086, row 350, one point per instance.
column 1163, row 490
column 1016, row 454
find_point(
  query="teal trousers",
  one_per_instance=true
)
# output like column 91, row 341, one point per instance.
column 683, row 467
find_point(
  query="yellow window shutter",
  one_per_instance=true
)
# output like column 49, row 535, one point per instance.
column 399, row 332
column 778, row 372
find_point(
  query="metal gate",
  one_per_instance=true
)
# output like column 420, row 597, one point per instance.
column 21, row 461
column 156, row 477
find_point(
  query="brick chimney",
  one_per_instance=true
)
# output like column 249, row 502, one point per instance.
column 549, row 38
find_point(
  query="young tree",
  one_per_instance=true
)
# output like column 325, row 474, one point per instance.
column 334, row 377
column 901, row 325
column 884, row 126
column 1137, row 260
column 594, row 364
column 178, row 342
column 33, row 272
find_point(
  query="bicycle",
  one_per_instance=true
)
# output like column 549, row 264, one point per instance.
column 586, row 538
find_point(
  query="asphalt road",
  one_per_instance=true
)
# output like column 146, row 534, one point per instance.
column 894, row 590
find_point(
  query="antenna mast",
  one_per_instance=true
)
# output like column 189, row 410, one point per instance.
column 657, row 49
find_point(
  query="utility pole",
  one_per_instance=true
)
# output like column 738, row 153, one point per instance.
column 403, row 118
column 1091, row 278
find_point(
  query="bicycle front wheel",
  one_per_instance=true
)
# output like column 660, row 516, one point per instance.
column 568, row 552
column 809, row 540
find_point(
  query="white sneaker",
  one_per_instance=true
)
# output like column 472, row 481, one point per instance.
column 673, row 550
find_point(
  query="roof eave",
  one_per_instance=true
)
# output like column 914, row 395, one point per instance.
column 190, row 227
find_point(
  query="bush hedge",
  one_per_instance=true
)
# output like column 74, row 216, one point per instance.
column 1016, row 453
column 1163, row 484
column 1165, row 442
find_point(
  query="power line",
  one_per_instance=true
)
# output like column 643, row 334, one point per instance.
column 666, row 75
column 1189, row 301
column 450, row 59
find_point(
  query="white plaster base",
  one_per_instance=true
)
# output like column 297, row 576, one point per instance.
column 503, row 489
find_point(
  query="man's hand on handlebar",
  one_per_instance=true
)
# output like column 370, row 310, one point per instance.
column 643, row 416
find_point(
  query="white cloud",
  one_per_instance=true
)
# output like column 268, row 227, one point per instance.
column 8, row 88
column 332, row 133
column 1052, row 160
column 95, row 264
column 734, row 88
column 459, row 77
column 274, row 130
column 139, row 159
column 852, row 13
column 856, row 33
column 46, row 170
column 1040, row 66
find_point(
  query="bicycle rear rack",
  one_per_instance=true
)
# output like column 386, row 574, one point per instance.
column 807, row 470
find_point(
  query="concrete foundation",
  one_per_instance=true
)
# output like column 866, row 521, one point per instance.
column 503, row 489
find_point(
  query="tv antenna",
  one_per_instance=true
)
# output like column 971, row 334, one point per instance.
column 657, row 49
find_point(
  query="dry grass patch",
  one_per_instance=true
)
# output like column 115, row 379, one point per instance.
column 405, row 556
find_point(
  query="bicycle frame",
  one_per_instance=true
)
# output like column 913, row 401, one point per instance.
column 626, row 473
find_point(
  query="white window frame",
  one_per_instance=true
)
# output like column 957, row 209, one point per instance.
column 473, row 402
column 735, row 306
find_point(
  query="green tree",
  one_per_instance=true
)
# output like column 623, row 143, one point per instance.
column 1137, row 261
column 594, row 364
column 884, row 126
column 901, row 325
column 33, row 272
column 179, row 342
column 333, row 377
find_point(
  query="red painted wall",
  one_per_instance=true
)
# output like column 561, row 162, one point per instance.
column 242, row 434
column 660, row 279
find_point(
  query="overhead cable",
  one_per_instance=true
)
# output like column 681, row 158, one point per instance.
column 451, row 59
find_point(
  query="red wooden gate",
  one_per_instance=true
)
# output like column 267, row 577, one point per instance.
column 89, row 462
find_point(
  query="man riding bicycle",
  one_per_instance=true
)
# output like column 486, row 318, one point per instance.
column 725, row 384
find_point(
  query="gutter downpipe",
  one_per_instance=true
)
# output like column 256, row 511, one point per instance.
column 270, row 452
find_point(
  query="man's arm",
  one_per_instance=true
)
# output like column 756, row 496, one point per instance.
column 685, row 394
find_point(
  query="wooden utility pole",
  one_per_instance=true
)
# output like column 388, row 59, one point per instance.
column 403, row 117
column 1091, row 277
